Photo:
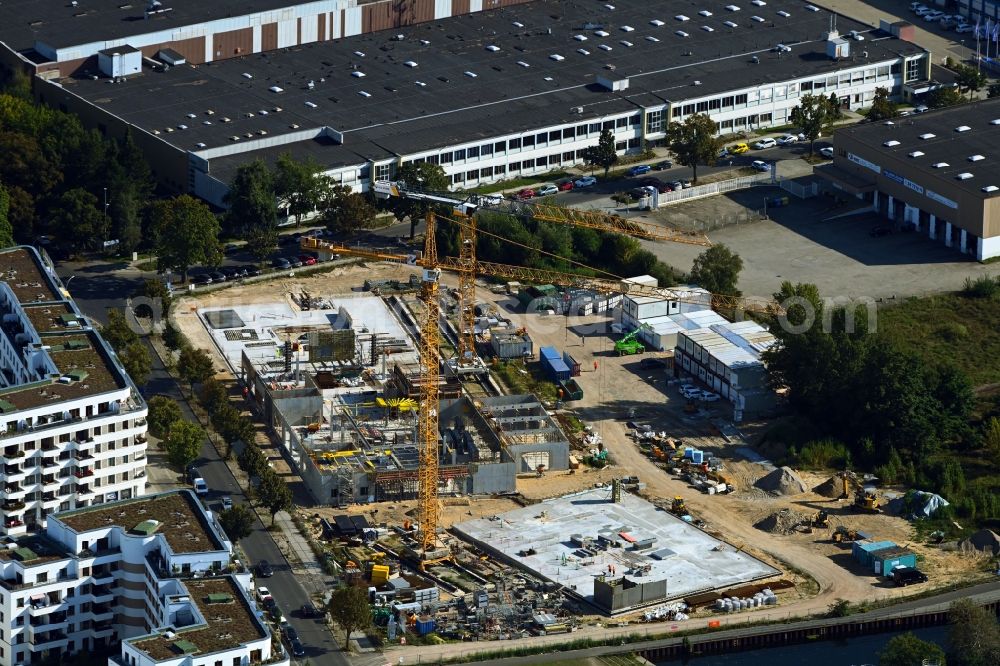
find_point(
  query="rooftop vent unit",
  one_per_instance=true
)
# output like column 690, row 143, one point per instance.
column 554, row 56
column 311, row 85
column 705, row 13
column 580, row 38
column 625, row 42
column 262, row 112
column 294, row 126
column 965, row 175
column 682, row 18
column 523, row 64
column 680, row 33
column 364, row 93
column 732, row 8
column 890, row 143
column 357, row 74
column 410, row 63
column 206, row 122
column 927, row 135
column 612, row 82
column 758, row 3
column 940, row 165
column 226, row 120
column 602, row 33
column 991, row 188
column 708, row 28
column 360, row 54
column 604, row 47
column 731, row 24
column 234, row 137
column 191, row 115
column 657, row 22
column 976, row 158
column 473, row 75
column 517, row 24
column 311, row 105
column 781, row 48
column 756, row 19
column 276, row 89
column 783, row 14
column 209, row 112
column 493, row 48
column 916, row 153
column 837, row 47
column 696, row 83
column 583, row 51
column 627, row 28
column 962, row 128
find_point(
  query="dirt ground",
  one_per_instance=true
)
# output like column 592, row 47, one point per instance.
column 617, row 389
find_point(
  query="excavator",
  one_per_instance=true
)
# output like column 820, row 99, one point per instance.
column 865, row 499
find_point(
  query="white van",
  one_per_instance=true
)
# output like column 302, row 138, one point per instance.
column 200, row 487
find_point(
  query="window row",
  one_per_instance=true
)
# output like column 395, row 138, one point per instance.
column 554, row 159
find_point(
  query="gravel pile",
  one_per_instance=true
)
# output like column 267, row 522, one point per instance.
column 782, row 481
column 832, row 488
column 782, row 522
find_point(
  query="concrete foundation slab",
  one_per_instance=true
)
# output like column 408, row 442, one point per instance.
column 545, row 539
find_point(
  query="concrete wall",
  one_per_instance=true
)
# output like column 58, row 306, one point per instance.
column 616, row 595
column 491, row 478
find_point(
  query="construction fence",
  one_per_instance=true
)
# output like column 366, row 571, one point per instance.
column 711, row 189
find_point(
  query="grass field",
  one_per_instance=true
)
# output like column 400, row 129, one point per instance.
column 949, row 328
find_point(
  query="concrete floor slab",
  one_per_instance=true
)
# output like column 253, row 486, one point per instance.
column 690, row 560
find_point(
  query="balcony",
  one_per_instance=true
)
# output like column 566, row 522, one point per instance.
column 10, row 522
column 84, row 455
column 83, row 490
column 10, row 489
column 48, row 640
column 83, row 473
column 49, row 446
column 141, row 438
column 107, row 625
column 99, row 610
column 13, row 453
column 99, row 592
column 13, row 505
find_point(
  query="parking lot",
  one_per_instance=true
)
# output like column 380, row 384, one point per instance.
column 840, row 256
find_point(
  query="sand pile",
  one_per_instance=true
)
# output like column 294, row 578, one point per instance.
column 782, row 481
column 782, row 522
column 983, row 540
column 832, row 488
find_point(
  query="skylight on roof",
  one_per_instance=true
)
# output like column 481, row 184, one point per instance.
column 410, row 63
column 556, row 57
column 890, row 143
column 523, row 64
column 602, row 33
column 928, row 135
column 991, row 188
column 976, row 158
column 191, row 115
column 580, row 38
column 680, row 33
column 657, row 22
column 708, row 28
column 311, row 105
column 757, row 19
column 473, row 75
column 917, row 153
column 583, row 51
column 812, row 8
column 681, row 17
column 783, row 13
column 357, row 74
column 625, row 42
column 965, row 175
column 517, row 24
column 940, row 165
column 492, row 48
column 610, row 8
column 421, row 84
column 759, row 3
column 995, row 121
column 360, row 54
column 276, row 89
column 962, row 128
column 246, row 75
column 732, row 8
column 627, row 28
column 650, row 38
column 705, row 13
column 731, row 24
column 604, row 47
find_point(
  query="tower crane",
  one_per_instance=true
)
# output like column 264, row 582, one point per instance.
column 464, row 207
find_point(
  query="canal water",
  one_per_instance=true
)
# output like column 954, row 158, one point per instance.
column 847, row 652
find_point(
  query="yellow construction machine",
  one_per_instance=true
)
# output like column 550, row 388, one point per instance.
column 865, row 499
column 677, row 507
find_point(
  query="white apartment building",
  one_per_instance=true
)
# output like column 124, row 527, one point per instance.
column 153, row 575
column 72, row 424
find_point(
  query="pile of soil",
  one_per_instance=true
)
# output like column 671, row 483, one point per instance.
column 782, row 481
column 782, row 522
column 832, row 488
column 984, row 540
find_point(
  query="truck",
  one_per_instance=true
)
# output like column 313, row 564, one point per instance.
column 629, row 345
column 200, row 487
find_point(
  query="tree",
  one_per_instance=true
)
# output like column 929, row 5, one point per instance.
column 349, row 608
column 213, row 395
column 813, row 113
column 227, row 421
column 117, row 331
column 299, row 184
column 252, row 460
column 163, row 413
column 6, row 231
column 273, row 493
column 993, row 90
column 345, row 211
column 882, row 107
column 974, row 635
column 186, row 233
column 944, row 97
column 833, row 103
column 908, row 650
column 694, row 141
column 131, row 185
column 604, row 154
column 137, row 362
column 156, row 291
column 195, row 366
column 991, row 439
column 253, row 208
column 237, row 522
column 717, row 269
column 422, row 176
column 970, row 78
column 77, row 223
column 183, row 443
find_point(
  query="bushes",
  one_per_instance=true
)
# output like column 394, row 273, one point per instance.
column 823, row 454
column 984, row 286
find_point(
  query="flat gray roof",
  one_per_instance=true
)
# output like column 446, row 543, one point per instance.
column 963, row 139
column 419, row 93
column 689, row 559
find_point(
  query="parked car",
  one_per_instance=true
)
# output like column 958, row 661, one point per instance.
column 526, row 193
column 903, row 576
column 639, row 169
column 738, row 149
column 201, row 278
column 665, row 164
column 218, row 276
column 281, row 263
column 914, row 6
column 232, row 272
column 565, row 185
column 251, row 270
column 297, row 648
column 263, row 593
column 766, row 142
column 269, row 603
column 677, row 185
column 964, row 27
column 227, row 503
column 264, row 569
column 491, row 199
column 547, row 189
column 586, row 181
column 290, row 633
column 708, row 396
column 275, row 614
column 787, row 139
column 307, row 259
column 826, row 151
column 760, row 165
column 652, row 363
column 878, row 232
column 920, row 108
column 685, row 183
column 294, row 262
column 934, row 15
column 309, row 611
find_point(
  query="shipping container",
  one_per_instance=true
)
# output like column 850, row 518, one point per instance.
column 555, row 369
column 570, row 390
column 548, row 352
column 572, row 364
column 862, row 550
column 884, row 561
column 424, row 626
column 510, row 346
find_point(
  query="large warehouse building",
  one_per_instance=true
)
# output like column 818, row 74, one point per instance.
column 936, row 173
column 516, row 90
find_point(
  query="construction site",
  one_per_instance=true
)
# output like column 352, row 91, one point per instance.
column 615, row 486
